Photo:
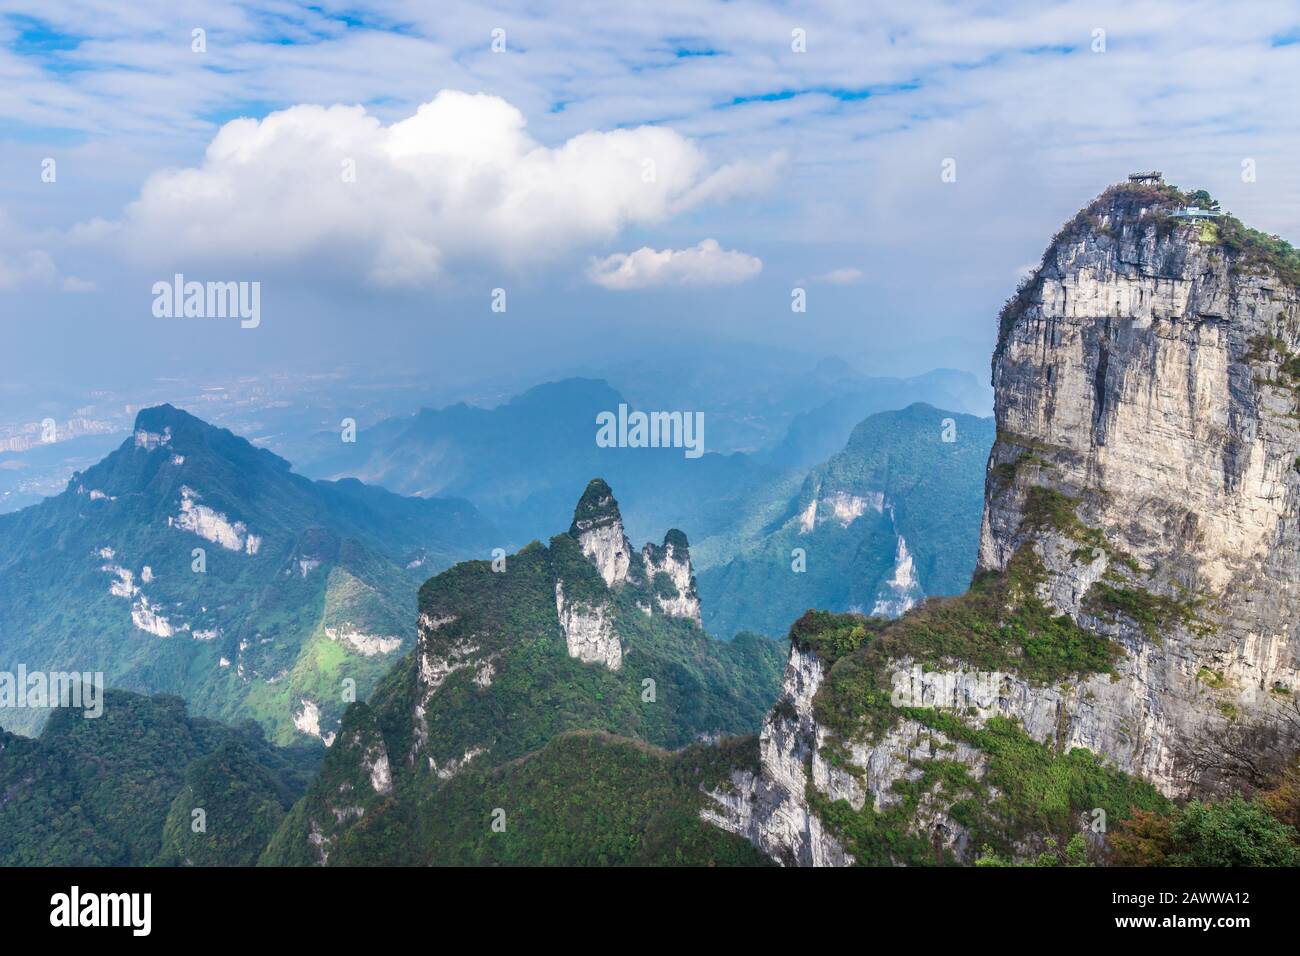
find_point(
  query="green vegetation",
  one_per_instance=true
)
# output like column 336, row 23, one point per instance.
column 1271, row 348
column 596, row 507
column 1234, row 832
column 1027, row 791
column 331, row 557
column 239, row 805
column 585, row 799
column 1254, row 251
column 1248, row 250
column 1210, row 678
column 1074, row 853
column 887, row 837
column 512, row 689
column 116, row 790
column 1000, row 624
column 832, row 636
column 538, row 691
column 1153, row 613
column 1048, row 509
column 1003, row 475
column 341, row 793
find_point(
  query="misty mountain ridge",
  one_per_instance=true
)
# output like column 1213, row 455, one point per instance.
column 517, row 461
column 891, row 518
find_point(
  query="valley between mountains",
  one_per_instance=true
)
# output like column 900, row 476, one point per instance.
column 1065, row 636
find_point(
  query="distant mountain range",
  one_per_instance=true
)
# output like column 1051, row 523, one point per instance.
column 887, row 521
column 300, row 586
column 576, row 667
column 519, row 461
column 754, row 397
column 1115, row 686
column 190, row 562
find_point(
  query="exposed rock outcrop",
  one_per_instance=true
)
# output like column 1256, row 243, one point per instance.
column 1141, row 374
column 1143, row 497
column 839, row 506
column 661, row 578
column 354, row 777
column 598, row 529
column 673, row 559
column 770, row 808
column 588, row 630
column 902, row 591
column 439, row 657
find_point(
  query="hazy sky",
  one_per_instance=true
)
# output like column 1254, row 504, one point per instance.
column 626, row 172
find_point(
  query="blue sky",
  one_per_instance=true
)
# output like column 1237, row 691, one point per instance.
column 790, row 145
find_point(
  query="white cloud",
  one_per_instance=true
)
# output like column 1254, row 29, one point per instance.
column 20, row 268
column 74, row 284
column 459, row 181
column 704, row 264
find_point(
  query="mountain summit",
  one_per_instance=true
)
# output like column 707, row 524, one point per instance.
column 515, row 653
column 201, row 565
column 1147, row 389
column 598, row 529
column 1129, row 633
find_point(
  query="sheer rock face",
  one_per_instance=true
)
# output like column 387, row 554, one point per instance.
column 1130, row 375
column 1132, row 385
column 770, row 808
column 589, row 630
column 608, row 548
column 355, row 776
column 598, row 528
column 437, row 658
column 674, row 560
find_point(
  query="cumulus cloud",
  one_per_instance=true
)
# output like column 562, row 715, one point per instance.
column 704, row 264
column 459, row 180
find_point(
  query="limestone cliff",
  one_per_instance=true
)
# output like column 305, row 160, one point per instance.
column 355, row 777
column 589, row 631
column 1134, row 609
column 663, row 570
column 770, row 807
column 589, row 592
column 1142, row 375
column 598, row 528
column 675, row 594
